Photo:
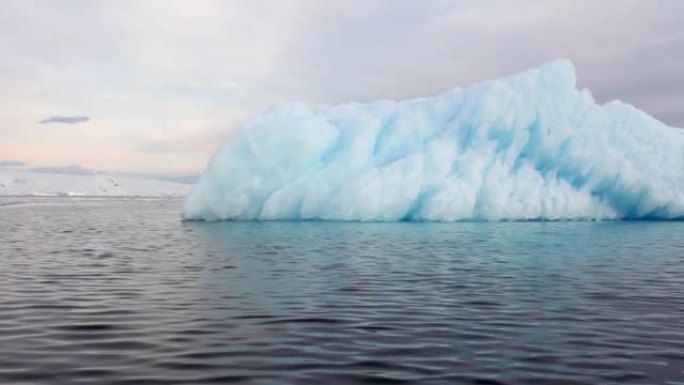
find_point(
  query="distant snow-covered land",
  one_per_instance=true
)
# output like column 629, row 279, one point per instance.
column 19, row 182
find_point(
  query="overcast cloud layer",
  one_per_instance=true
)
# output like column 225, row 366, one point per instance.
column 166, row 81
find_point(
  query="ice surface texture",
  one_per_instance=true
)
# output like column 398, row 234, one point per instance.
column 530, row 146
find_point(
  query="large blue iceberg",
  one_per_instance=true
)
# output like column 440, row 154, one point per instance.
column 530, row 146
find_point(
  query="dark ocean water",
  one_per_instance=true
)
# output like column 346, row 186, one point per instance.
column 114, row 291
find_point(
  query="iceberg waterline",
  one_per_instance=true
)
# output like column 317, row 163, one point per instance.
column 530, row 146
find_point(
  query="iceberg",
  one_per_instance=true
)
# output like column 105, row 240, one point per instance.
column 527, row 147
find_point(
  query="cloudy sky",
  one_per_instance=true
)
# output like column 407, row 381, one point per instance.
column 154, row 86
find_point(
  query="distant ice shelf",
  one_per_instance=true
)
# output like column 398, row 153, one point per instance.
column 27, row 183
column 527, row 147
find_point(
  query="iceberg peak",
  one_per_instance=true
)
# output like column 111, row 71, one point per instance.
column 529, row 146
column 561, row 72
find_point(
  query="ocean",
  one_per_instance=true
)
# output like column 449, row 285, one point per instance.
column 121, row 291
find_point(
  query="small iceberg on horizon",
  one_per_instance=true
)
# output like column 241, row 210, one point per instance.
column 527, row 147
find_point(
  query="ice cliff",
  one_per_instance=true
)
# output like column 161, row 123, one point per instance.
column 530, row 146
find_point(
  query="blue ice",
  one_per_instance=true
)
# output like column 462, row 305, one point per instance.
column 526, row 147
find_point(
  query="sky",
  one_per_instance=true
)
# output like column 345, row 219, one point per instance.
column 156, row 86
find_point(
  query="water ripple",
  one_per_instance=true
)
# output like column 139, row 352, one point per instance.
column 121, row 292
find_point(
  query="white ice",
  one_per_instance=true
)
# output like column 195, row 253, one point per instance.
column 27, row 183
column 530, row 146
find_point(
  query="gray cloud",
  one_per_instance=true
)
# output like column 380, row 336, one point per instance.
column 76, row 169
column 181, row 178
column 73, row 169
column 65, row 120
column 12, row 163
